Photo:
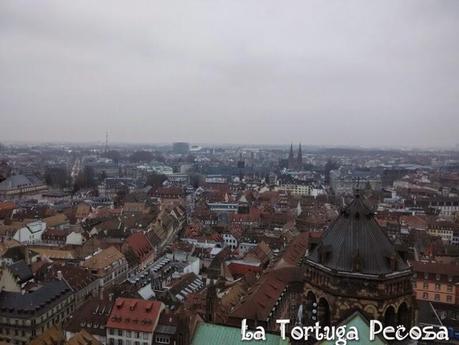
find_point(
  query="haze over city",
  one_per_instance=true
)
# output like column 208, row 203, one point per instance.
column 334, row 73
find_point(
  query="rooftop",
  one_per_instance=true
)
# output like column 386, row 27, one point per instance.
column 104, row 258
column 92, row 316
column 18, row 181
column 135, row 314
column 39, row 300
column 209, row 334
column 21, row 271
column 354, row 242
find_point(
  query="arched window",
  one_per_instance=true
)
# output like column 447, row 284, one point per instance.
column 310, row 310
column 390, row 318
column 403, row 315
column 323, row 312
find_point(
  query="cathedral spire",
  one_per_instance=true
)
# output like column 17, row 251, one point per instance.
column 291, row 158
column 299, row 159
column 290, row 155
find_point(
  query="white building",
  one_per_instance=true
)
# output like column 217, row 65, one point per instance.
column 75, row 239
column 191, row 264
column 297, row 189
column 447, row 207
column 245, row 247
column 230, row 241
column 139, row 327
column 31, row 232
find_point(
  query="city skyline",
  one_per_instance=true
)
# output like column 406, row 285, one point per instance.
column 284, row 146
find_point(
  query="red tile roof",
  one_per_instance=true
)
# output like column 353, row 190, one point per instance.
column 436, row 268
column 262, row 297
column 253, row 216
column 6, row 205
column 140, row 245
column 135, row 314
column 295, row 251
column 262, row 252
column 239, row 269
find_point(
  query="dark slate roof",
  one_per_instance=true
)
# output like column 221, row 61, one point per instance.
column 21, row 270
column 38, row 301
column 92, row 316
column 354, row 242
column 19, row 181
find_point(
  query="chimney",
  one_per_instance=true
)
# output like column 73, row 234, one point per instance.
column 59, row 275
column 27, row 256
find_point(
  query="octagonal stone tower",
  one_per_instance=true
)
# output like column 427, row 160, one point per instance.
column 356, row 267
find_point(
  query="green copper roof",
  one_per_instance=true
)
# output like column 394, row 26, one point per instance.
column 356, row 320
column 209, row 334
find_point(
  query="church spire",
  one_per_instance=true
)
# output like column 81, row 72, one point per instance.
column 299, row 159
column 291, row 158
column 290, row 155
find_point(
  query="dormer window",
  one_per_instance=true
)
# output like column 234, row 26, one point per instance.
column 357, row 263
column 392, row 261
column 324, row 252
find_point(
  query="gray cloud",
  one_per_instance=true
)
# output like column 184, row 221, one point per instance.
column 323, row 73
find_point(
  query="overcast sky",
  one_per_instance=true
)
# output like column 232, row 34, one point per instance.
column 369, row 73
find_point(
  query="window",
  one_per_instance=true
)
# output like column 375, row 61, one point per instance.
column 137, row 334
column 426, row 285
column 437, row 276
column 437, row 297
column 437, row 286
column 111, row 331
column 449, row 298
column 120, row 341
column 426, row 275
column 162, row 340
column 120, row 332
column 425, row 295
column 128, row 334
column 450, row 288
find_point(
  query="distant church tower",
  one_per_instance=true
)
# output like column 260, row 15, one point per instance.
column 299, row 159
column 294, row 164
column 291, row 158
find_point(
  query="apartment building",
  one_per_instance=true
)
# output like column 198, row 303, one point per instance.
column 133, row 321
column 436, row 282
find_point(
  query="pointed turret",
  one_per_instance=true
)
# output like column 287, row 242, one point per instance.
column 299, row 159
column 291, row 158
column 211, row 301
